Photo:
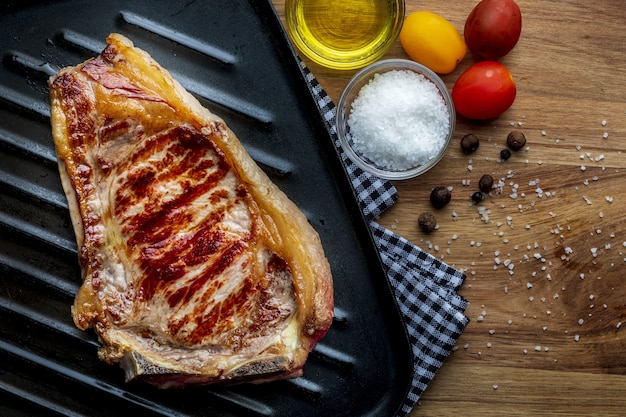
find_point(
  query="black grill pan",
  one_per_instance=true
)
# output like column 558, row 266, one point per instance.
column 233, row 56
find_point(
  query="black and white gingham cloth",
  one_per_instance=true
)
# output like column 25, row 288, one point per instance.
column 425, row 287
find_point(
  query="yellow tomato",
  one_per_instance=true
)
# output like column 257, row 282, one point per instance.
column 432, row 41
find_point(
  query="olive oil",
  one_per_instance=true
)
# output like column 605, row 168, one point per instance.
column 343, row 33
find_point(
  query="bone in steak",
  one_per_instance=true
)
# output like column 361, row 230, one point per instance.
column 196, row 268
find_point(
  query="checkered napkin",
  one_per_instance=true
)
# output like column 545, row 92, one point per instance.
column 425, row 287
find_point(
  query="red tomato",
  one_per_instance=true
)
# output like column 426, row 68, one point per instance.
column 484, row 91
column 493, row 28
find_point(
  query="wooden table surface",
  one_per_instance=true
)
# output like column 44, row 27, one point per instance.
column 545, row 268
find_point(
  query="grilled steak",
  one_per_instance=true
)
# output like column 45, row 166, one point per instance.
column 196, row 268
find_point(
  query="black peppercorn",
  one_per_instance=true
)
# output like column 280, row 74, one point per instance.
column 469, row 143
column 516, row 140
column 477, row 197
column 505, row 154
column 427, row 222
column 486, row 183
column 440, row 196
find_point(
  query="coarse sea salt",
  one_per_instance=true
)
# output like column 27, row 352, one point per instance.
column 399, row 120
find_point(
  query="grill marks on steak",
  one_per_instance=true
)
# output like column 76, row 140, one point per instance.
column 188, row 224
column 162, row 179
column 196, row 268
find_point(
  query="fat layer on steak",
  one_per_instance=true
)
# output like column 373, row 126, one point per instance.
column 196, row 268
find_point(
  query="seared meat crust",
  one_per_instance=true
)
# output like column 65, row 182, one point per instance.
column 196, row 267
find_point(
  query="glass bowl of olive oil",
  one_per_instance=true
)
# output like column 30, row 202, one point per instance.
column 344, row 34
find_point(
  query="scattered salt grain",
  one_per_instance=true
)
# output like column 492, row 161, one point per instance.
column 399, row 120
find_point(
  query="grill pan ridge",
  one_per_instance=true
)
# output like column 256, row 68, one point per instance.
column 235, row 58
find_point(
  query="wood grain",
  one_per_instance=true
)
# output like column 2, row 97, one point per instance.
column 545, row 266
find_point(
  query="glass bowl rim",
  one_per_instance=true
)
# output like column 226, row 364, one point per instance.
column 364, row 75
column 350, row 62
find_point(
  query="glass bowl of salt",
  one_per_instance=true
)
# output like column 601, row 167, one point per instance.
column 395, row 119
